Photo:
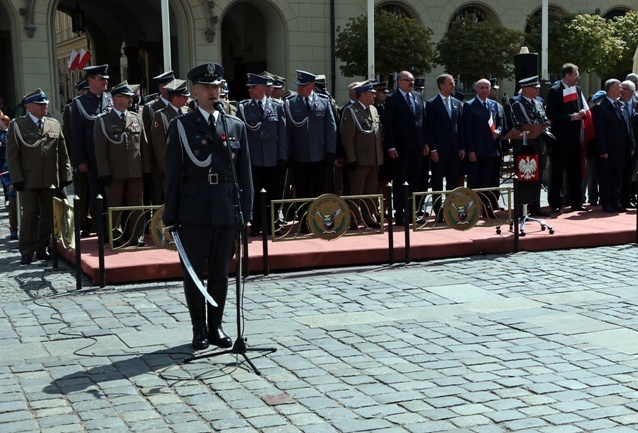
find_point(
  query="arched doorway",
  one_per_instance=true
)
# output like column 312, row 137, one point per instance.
column 128, row 36
column 253, row 40
column 8, row 91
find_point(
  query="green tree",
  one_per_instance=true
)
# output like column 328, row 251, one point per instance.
column 399, row 43
column 598, row 48
column 626, row 28
column 476, row 49
column 561, row 41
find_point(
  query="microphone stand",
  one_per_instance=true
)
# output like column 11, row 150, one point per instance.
column 518, row 126
column 239, row 347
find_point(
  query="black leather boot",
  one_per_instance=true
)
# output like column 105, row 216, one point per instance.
column 216, row 335
column 196, row 308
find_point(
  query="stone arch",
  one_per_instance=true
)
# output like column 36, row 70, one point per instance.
column 480, row 11
column 254, row 37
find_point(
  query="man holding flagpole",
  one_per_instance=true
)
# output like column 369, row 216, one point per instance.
column 566, row 111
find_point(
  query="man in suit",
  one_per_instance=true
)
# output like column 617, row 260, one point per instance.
column 123, row 157
column 361, row 136
column 446, row 148
column 268, row 143
column 615, row 141
column 177, row 94
column 200, row 198
column 565, row 109
column 527, row 110
column 404, row 139
column 85, row 110
column 481, row 134
column 630, row 101
column 312, row 138
column 37, row 158
column 153, row 183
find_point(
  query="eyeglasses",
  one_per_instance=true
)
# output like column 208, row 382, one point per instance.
column 410, row 80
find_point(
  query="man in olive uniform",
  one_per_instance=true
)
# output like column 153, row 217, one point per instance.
column 362, row 141
column 37, row 158
column 268, row 142
column 199, row 191
column 526, row 109
column 312, row 138
column 123, row 157
column 83, row 113
column 153, row 193
column 178, row 94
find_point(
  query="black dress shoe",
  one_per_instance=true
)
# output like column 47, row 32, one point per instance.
column 538, row 212
column 353, row 226
column 141, row 243
column 580, row 208
column 628, row 205
column 254, row 232
column 200, row 337
column 555, row 210
column 217, row 337
column 400, row 222
column 608, row 209
column 373, row 225
column 85, row 233
column 43, row 255
column 619, row 208
column 26, row 259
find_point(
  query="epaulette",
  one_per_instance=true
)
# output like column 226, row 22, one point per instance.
column 134, row 113
column 321, row 95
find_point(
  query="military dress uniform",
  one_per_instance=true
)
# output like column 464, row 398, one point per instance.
column 361, row 137
column 312, row 138
column 268, row 143
column 527, row 111
column 199, row 196
column 84, row 111
column 123, row 157
column 37, row 158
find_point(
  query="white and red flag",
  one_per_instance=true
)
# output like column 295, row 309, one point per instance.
column 85, row 56
column 74, row 60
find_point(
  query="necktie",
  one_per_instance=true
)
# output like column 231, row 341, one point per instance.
column 261, row 107
column 211, row 122
column 447, row 107
column 308, row 104
column 123, row 116
column 486, row 107
column 408, row 97
column 39, row 123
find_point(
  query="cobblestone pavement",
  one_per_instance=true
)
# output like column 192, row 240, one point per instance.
column 531, row 342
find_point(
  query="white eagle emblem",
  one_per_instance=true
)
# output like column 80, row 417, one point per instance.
column 462, row 212
column 527, row 168
column 329, row 220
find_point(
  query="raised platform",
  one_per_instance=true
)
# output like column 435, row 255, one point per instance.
column 572, row 230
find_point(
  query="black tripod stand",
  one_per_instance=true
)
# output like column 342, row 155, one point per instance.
column 239, row 347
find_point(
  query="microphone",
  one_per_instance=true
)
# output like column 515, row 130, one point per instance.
column 219, row 106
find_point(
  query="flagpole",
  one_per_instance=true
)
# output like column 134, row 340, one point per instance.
column 166, row 35
column 544, row 40
column 371, row 39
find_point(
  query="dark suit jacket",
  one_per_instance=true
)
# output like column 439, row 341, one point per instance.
column 560, row 113
column 443, row 131
column 404, row 130
column 189, row 198
column 613, row 136
column 476, row 130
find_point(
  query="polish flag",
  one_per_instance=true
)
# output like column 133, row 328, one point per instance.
column 85, row 56
column 491, row 123
column 74, row 60
column 570, row 94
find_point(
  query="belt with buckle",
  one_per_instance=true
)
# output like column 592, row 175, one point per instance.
column 210, row 178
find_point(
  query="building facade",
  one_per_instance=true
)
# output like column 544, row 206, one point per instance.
column 244, row 35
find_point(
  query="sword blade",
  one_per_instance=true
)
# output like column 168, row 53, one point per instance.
column 190, row 270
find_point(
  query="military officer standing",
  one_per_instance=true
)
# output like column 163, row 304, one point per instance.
column 199, row 194
column 267, row 140
column 153, row 188
column 526, row 109
column 312, row 138
column 362, row 141
column 123, row 157
column 83, row 113
column 178, row 94
column 37, row 158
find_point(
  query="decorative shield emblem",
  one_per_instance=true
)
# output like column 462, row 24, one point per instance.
column 527, row 168
column 328, row 217
column 162, row 238
column 462, row 209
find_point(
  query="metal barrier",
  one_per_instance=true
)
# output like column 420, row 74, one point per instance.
column 428, row 209
column 125, row 222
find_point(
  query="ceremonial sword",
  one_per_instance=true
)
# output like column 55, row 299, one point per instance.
column 189, row 267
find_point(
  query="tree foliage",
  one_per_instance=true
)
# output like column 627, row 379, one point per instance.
column 476, row 49
column 626, row 28
column 597, row 48
column 561, row 41
column 399, row 43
